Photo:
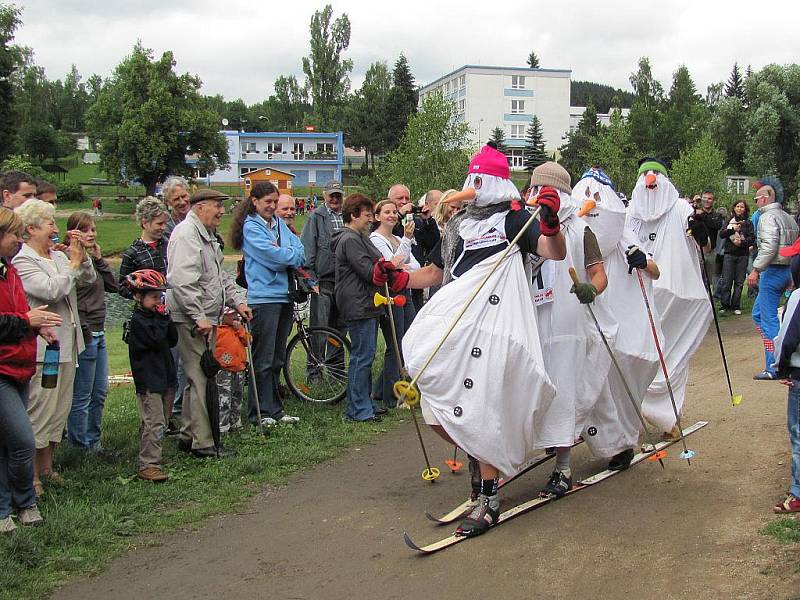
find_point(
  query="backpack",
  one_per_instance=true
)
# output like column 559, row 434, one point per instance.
column 231, row 348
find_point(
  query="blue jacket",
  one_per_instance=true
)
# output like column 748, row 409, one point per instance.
column 265, row 262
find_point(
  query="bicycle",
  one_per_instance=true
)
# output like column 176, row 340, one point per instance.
column 317, row 360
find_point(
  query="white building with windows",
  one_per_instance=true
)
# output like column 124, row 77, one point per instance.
column 508, row 97
column 576, row 114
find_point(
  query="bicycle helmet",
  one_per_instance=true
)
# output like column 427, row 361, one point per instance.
column 146, row 280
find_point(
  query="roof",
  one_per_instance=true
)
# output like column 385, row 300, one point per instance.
column 568, row 72
column 268, row 169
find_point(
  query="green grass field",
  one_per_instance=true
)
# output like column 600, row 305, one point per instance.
column 103, row 510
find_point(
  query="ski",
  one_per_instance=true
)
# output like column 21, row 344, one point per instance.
column 459, row 510
column 535, row 503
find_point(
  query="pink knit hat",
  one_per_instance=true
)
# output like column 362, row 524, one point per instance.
column 489, row 161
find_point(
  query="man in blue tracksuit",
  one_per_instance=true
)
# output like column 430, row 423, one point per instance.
column 776, row 230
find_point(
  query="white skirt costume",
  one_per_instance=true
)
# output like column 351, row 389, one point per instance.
column 659, row 219
column 614, row 424
column 574, row 355
column 487, row 386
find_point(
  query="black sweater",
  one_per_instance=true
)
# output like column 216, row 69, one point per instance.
column 150, row 336
column 747, row 232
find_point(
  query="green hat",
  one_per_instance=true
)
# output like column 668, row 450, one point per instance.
column 650, row 163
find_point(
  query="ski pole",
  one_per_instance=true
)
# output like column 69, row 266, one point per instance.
column 659, row 456
column 430, row 473
column 253, row 386
column 736, row 399
column 686, row 454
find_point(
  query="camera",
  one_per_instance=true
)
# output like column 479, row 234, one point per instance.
column 415, row 210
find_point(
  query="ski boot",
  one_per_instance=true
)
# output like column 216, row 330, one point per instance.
column 621, row 461
column 483, row 516
column 558, row 485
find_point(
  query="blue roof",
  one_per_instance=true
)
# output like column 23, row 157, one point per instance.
column 282, row 134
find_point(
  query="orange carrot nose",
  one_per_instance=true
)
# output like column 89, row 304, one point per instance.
column 462, row 196
column 587, row 207
column 650, row 179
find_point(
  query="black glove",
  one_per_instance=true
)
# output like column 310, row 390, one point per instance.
column 698, row 230
column 636, row 259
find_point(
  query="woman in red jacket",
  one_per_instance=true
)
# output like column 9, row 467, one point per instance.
column 19, row 325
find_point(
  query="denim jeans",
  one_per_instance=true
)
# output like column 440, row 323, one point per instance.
column 363, row 340
column 17, row 449
column 270, row 327
column 771, row 284
column 734, row 271
column 89, row 395
column 793, row 421
column 383, row 388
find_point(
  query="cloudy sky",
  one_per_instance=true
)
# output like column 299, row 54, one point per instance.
column 239, row 47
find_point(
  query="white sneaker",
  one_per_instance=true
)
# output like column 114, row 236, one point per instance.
column 289, row 420
column 268, row 422
column 7, row 525
column 30, row 516
column 737, row 312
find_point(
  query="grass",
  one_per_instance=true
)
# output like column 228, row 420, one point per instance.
column 786, row 530
column 103, row 510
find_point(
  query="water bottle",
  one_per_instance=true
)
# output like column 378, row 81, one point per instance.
column 50, row 368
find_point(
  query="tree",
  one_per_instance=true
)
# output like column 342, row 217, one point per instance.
column 402, row 102
column 613, row 149
column 533, row 60
column 533, row 152
column 602, row 97
column 147, row 119
column 328, row 75
column 645, row 117
column 37, row 139
column 735, row 86
column 700, row 167
column 368, row 113
column 728, row 130
column 574, row 154
column 9, row 61
column 499, row 137
column 685, row 117
column 433, row 153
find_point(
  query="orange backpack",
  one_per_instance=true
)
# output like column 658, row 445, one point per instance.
column 231, row 348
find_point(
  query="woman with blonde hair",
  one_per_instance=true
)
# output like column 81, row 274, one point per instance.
column 50, row 278
column 444, row 209
column 19, row 325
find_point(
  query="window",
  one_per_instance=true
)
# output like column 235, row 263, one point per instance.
column 462, row 82
column 298, row 151
column 245, row 170
column 516, row 158
column 447, row 88
column 517, row 107
column 462, row 106
column 326, row 148
column 274, row 148
column 518, row 132
column 200, row 174
column 249, row 147
column 517, row 82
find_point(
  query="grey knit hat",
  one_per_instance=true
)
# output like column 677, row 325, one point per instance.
column 552, row 173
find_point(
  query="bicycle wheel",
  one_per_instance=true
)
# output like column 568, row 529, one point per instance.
column 316, row 365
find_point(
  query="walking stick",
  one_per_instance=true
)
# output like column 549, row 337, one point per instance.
column 736, row 399
column 661, row 454
column 253, row 386
column 430, row 473
column 686, row 454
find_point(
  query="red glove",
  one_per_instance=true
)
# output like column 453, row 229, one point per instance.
column 549, row 202
column 381, row 270
column 398, row 281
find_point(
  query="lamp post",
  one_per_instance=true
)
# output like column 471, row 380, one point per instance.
column 480, row 136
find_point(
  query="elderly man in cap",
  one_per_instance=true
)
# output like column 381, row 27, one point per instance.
column 320, row 260
column 200, row 289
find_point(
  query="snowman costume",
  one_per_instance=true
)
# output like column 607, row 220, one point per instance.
column 614, row 425
column 487, row 387
column 659, row 220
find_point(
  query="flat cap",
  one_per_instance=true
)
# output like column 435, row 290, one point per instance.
column 207, row 194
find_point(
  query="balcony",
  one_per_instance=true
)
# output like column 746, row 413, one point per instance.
column 289, row 156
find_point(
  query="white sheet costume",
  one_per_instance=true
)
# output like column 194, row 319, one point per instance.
column 575, row 357
column 614, row 424
column 659, row 219
column 487, row 387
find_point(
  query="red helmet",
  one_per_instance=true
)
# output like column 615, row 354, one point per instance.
column 146, row 280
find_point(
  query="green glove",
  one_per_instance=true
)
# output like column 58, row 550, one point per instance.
column 585, row 292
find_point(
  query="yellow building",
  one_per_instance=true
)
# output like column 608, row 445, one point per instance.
column 280, row 179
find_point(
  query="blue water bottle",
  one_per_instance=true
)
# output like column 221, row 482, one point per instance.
column 50, row 368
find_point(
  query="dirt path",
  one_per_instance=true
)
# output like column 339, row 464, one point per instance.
column 335, row 531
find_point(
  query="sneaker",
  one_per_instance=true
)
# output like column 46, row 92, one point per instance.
column 380, row 410
column 558, row 485
column 722, row 311
column 764, row 376
column 289, row 420
column 7, row 525
column 153, row 474
column 737, row 312
column 789, row 505
column 621, row 461
column 483, row 516
column 30, row 516
column 268, row 422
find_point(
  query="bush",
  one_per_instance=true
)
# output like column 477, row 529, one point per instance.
column 70, row 192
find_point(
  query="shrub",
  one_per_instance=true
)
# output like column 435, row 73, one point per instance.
column 70, row 192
